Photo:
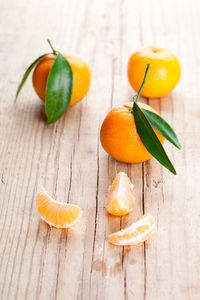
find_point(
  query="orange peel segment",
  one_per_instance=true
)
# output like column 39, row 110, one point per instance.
column 135, row 234
column 55, row 213
column 121, row 199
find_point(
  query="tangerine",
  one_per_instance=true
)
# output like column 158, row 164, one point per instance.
column 163, row 75
column 81, row 76
column 120, row 138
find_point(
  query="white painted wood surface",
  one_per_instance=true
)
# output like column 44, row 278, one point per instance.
column 37, row 262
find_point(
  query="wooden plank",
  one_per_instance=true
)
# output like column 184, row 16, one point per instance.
column 38, row 262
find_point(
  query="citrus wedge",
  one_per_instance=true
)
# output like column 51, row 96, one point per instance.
column 135, row 234
column 55, row 213
column 120, row 200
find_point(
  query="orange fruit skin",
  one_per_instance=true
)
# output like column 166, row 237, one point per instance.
column 164, row 72
column 81, row 76
column 121, row 199
column 119, row 136
column 135, row 234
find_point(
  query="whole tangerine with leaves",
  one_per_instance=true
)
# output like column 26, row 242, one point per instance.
column 119, row 136
column 81, row 76
column 134, row 132
column 164, row 73
column 59, row 80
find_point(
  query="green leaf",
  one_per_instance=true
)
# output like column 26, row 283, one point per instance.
column 58, row 89
column 27, row 73
column 163, row 127
column 149, row 138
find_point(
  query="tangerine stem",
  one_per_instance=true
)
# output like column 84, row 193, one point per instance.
column 52, row 48
column 144, row 80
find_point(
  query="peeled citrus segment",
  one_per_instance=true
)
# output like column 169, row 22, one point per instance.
column 135, row 234
column 120, row 200
column 55, row 213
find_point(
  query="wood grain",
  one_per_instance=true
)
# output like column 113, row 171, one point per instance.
column 38, row 262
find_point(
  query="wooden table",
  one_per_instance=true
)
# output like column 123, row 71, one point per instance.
column 39, row 262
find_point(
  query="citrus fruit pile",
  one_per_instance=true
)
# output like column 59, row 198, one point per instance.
column 131, row 132
column 134, row 132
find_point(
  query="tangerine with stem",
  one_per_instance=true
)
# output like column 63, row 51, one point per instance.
column 119, row 136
